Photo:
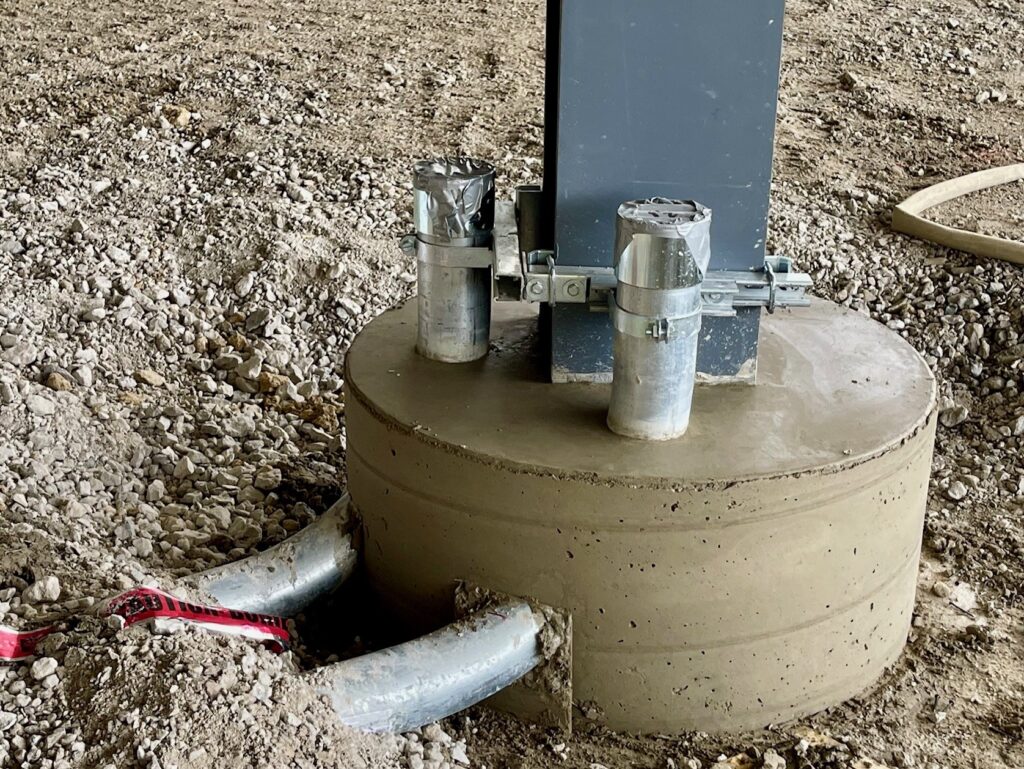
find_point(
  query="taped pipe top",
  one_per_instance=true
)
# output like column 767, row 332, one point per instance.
column 454, row 201
column 662, row 244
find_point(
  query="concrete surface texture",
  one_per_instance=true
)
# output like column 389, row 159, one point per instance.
column 760, row 568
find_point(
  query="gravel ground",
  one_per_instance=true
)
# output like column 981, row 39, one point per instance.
column 198, row 207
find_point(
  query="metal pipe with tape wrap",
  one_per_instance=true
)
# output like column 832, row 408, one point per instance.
column 453, row 213
column 662, row 250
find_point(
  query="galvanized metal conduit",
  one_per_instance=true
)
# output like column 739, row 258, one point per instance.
column 288, row 577
column 419, row 682
column 454, row 217
column 395, row 689
column 662, row 250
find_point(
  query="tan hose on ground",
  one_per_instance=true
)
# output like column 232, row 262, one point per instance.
column 907, row 215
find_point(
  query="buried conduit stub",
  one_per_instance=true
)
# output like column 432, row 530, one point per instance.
column 544, row 695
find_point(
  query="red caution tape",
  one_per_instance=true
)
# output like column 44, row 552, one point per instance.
column 18, row 645
column 143, row 604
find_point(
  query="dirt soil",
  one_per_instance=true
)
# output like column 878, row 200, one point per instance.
column 198, row 210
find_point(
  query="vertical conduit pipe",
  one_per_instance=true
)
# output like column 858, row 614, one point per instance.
column 662, row 250
column 454, row 209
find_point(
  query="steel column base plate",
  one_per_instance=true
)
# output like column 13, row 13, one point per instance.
column 760, row 568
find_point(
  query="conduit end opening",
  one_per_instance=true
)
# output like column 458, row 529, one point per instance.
column 544, row 695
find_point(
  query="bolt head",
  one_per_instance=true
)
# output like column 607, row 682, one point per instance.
column 408, row 244
column 535, row 287
column 573, row 289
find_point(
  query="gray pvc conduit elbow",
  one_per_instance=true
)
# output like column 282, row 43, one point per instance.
column 422, row 681
column 288, row 577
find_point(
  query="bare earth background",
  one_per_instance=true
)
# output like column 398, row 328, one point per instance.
column 198, row 210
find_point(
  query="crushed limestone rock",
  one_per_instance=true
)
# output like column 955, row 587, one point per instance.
column 188, row 699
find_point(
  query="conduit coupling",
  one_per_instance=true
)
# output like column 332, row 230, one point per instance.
column 453, row 242
column 662, row 250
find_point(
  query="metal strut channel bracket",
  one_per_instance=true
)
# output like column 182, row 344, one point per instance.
column 723, row 291
column 535, row 276
column 476, row 257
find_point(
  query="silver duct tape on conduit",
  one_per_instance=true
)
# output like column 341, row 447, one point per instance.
column 454, row 222
column 662, row 250
column 419, row 682
column 285, row 579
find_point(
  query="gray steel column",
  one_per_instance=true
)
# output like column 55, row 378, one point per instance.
column 668, row 98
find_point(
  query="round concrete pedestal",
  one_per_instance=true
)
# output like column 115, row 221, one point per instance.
column 760, row 568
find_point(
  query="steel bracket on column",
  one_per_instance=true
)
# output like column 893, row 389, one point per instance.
column 723, row 293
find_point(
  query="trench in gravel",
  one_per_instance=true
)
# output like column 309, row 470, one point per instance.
column 346, row 624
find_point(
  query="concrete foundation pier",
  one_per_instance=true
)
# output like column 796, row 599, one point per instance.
column 760, row 568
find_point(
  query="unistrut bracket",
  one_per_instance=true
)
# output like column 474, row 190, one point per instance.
column 723, row 291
